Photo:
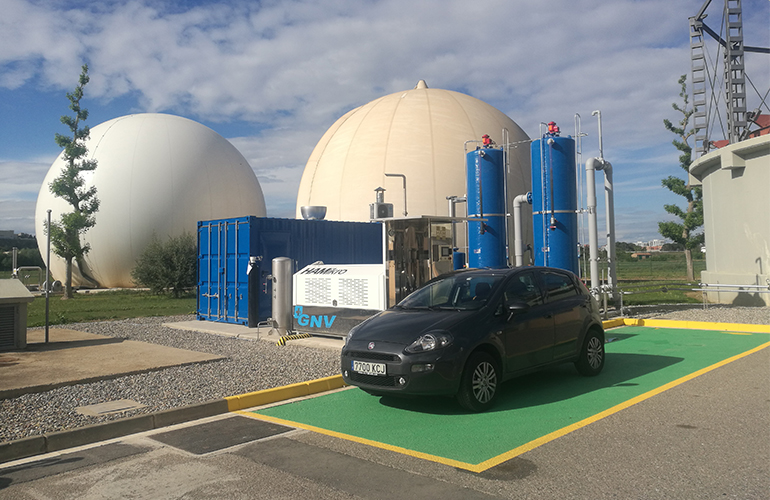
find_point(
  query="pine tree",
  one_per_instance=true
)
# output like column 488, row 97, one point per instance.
column 70, row 185
column 684, row 232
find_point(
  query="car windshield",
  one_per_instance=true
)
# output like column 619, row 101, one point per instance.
column 457, row 292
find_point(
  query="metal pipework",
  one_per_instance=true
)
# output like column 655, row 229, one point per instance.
column 592, row 165
column 403, row 177
column 609, row 201
column 517, row 239
column 601, row 147
column 593, row 233
column 453, row 201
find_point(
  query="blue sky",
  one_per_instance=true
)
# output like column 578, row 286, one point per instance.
column 272, row 76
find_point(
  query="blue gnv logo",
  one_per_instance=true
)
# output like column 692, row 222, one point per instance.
column 312, row 321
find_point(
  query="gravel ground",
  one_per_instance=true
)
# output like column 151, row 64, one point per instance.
column 249, row 366
column 716, row 313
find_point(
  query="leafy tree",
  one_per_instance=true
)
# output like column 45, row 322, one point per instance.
column 672, row 247
column 25, row 257
column 169, row 266
column 685, row 232
column 70, row 185
column 622, row 246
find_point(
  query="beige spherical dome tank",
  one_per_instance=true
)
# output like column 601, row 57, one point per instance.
column 420, row 133
column 156, row 174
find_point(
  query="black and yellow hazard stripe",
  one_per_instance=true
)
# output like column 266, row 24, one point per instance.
column 285, row 338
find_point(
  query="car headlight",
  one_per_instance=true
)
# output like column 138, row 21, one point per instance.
column 429, row 342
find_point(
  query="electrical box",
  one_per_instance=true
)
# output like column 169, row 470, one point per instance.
column 332, row 299
column 380, row 210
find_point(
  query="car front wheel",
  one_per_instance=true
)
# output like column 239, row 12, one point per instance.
column 591, row 359
column 479, row 383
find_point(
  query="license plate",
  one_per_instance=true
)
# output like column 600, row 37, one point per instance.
column 367, row 368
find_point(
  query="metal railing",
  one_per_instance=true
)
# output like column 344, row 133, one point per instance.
column 704, row 288
column 19, row 273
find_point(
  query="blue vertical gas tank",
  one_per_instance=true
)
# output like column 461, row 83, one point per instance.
column 554, row 203
column 486, row 198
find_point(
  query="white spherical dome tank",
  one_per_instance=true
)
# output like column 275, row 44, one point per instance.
column 156, row 174
column 420, row 133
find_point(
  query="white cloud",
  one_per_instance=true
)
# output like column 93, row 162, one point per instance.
column 22, row 179
column 293, row 67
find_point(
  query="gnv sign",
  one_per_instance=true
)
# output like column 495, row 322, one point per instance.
column 312, row 321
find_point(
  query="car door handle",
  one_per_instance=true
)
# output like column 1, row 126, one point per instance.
column 549, row 316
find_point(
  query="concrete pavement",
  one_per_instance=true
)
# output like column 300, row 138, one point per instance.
column 706, row 438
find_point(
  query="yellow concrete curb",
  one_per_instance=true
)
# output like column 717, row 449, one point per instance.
column 612, row 323
column 690, row 325
column 259, row 398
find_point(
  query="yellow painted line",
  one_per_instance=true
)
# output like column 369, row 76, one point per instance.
column 692, row 325
column 356, row 439
column 615, row 409
column 267, row 396
column 492, row 462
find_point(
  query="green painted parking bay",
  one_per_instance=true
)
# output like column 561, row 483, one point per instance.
column 530, row 410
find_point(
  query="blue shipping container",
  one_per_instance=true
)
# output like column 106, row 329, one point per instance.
column 225, row 245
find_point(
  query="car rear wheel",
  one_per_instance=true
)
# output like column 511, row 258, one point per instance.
column 591, row 359
column 479, row 383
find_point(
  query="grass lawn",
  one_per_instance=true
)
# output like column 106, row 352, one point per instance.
column 655, row 281
column 658, row 292
column 119, row 304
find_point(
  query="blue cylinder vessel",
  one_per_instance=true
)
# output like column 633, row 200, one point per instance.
column 486, row 198
column 554, row 203
column 458, row 260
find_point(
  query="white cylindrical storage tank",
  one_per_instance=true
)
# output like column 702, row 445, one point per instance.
column 420, row 133
column 157, row 174
column 282, row 297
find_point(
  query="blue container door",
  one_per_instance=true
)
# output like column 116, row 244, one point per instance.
column 208, row 283
column 223, row 247
column 236, row 280
column 486, row 198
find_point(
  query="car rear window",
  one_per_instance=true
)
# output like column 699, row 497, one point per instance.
column 559, row 286
column 523, row 287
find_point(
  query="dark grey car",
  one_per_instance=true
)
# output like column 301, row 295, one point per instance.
column 465, row 332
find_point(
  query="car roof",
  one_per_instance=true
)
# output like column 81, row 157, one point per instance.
column 488, row 271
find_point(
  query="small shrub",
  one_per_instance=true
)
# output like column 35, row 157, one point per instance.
column 169, row 266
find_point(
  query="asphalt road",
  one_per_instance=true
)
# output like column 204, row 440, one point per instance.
column 706, row 438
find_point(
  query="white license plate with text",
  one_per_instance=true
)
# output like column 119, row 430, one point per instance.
column 367, row 368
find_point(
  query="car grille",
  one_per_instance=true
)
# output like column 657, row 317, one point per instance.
column 375, row 356
column 373, row 380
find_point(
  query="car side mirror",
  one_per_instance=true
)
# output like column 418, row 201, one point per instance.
column 516, row 307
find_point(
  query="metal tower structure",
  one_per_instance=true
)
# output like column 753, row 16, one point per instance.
column 734, row 76
column 735, row 79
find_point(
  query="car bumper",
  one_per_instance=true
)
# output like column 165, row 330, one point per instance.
column 433, row 373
